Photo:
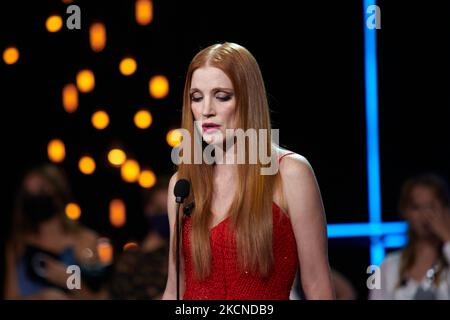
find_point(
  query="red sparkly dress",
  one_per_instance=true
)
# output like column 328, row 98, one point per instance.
column 226, row 281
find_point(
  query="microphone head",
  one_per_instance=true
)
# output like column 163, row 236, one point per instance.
column 181, row 190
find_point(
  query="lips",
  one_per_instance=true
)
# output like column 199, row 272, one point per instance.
column 210, row 126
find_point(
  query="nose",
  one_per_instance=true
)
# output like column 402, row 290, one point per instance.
column 208, row 109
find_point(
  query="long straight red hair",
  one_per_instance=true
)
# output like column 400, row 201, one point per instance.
column 251, row 210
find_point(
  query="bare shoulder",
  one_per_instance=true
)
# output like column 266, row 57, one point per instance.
column 294, row 166
column 299, row 186
column 172, row 182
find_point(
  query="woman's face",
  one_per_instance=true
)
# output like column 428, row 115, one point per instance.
column 423, row 200
column 213, row 103
column 39, row 203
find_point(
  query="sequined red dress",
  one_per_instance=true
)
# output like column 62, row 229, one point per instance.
column 226, row 281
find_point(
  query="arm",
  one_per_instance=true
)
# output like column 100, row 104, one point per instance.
column 56, row 271
column 11, row 285
column 170, row 292
column 307, row 215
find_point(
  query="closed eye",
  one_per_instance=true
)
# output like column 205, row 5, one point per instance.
column 196, row 98
column 221, row 98
column 224, row 97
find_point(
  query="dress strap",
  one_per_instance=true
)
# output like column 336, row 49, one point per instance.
column 286, row 154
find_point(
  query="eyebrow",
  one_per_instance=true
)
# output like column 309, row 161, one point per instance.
column 213, row 89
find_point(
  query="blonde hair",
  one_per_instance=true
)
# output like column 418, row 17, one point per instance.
column 251, row 210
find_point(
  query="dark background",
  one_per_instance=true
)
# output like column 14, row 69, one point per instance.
column 311, row 56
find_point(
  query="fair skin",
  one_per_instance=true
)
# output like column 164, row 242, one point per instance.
column 213, row 101
column 430, row 220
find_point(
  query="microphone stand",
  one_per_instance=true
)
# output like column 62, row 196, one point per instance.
column 181, row 191
column 179, row 200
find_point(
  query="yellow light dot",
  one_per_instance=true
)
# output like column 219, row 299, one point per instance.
column 85, row 80
column 127, row 66
column 143, row 119
column 53, row 23
column 11, row 55
column 70, row 98
column 174, row 137
column 97, row 36
column 130, row 171
column 116, row 157
column 86, row 165
column 117, row 213
column 100, row 120
column 130, row 245
column 56, row 150
column 105, row 251
column 159, row 87
column 143, row 12
column 147, row 179
column 73, row 211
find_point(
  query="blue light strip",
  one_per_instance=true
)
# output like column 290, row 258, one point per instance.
column 395, row 241
column 373, row 160
column 382, row 234
column 373, row 164
column 347, row 230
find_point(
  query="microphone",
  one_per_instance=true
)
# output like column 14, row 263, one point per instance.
column 181, row 191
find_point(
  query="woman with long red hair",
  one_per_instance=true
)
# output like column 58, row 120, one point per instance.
column 248, row 232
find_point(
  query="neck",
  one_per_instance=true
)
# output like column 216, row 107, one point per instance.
column 225, row 169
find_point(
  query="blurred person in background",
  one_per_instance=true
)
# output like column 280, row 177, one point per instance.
column 140, row 273
column 44, row 242
column 343, row 287
column 420, row 270
column 155, row 209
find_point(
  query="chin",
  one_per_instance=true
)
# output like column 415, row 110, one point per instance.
column 213, row 138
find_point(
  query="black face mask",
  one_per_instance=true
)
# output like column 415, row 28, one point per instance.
column 39, row 208
column 159, row 223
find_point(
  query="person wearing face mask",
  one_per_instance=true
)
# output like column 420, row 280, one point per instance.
column 420, row 271
column 140, row 273
column 43, row 242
